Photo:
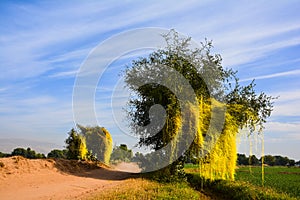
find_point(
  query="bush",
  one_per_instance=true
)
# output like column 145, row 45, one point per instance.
column 4, row 155
column 121, row 154
column 56, row 153
column 27, row 153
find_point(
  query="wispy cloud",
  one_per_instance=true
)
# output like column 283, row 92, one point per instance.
column 275, row 75
column 290, row 129
column 3, row 89
column 65, row 74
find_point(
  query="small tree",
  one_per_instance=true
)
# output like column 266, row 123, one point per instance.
column 121, row 153
column 3, row 155
column 253, row 160
column 76, row 146
column 19, row 152
column 27, row 153
column 30, row 153
column 291, row 162
column 56, row 153
column 269, row 160
column 242, row 159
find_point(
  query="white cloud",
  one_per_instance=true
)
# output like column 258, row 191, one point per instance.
column 287, row 109
column 287, row 104
column 64, row 74
column 249, row 53
column 275, row 75
column 3, row 89
column 288, row 130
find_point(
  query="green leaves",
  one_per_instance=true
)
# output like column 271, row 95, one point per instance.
column 210, row 83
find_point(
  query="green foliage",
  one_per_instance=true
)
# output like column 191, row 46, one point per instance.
column 56, row 153
column 27, row 153
column 268, row 160
column 245, row 108
column 121, row 153
column 4, row 155
column 253, row 160
column 19, row 152
column 98, row 142
column 282, row 161
column 76, row 146
column 242, row 159
column 192, row 64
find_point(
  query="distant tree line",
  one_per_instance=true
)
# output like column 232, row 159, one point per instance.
column 123, row 154
column 26, row 153
column 268, row 160
column 89, row 143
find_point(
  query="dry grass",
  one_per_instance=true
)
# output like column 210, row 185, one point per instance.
column 145, row 189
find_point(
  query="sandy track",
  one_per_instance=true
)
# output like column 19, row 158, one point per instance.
column 47, row 179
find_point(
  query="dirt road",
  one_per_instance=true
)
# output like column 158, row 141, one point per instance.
column 48, row 179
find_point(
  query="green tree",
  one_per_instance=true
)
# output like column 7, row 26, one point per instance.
column 27, row 153
column 138, row 157
column 291, row 162
column 253, row 160
column 4, row 155
column 121, row 153
column 30, row 153
column 76, row 146
column 242, row 159
column 281, row 161
column 245, row 108
column 40, row 156
column 269, row 160
column 19, row 152
column 56, row 153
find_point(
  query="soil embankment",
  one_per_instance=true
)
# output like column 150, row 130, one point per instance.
column 22, row 178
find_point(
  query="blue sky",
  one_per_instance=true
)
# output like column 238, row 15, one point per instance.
column 44, row 43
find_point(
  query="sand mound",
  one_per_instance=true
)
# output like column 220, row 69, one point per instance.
column 18, row 165
column 21, row 178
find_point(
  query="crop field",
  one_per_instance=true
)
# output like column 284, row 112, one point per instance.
column 280, row 179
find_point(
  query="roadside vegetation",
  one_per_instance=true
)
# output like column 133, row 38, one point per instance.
column 141, row 188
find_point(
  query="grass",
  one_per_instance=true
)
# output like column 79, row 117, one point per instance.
column 141, row 188
column 282, row 179
column 280, row 183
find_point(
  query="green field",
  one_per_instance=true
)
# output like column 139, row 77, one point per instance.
column 279, row 179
